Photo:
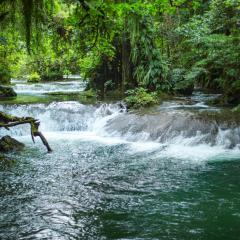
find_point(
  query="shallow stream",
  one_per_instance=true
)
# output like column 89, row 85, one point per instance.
column 170, row 173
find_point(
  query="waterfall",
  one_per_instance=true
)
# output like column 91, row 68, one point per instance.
column 21, row 87
column 64, row 116
column 112, row 120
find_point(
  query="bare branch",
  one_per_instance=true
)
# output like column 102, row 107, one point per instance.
column 8, row 121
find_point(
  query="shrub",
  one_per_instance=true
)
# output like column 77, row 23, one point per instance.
column 89, row 93
column 181, row 81
column 139, row 97
column 34, row 77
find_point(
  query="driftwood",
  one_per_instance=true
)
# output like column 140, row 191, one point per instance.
column 8, row 121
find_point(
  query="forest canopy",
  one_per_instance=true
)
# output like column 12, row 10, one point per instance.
column 136, row 47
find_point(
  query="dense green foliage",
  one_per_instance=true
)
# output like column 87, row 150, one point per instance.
column 117, row 45
column 139, row 97
column 34, row 77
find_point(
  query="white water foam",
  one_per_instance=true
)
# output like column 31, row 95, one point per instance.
column 22, row 87
column 200, row 153
column 71, row 121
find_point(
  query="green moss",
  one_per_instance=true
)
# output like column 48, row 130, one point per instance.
column 7, row 92
column 26, row 99
column 86, row 97
column 89, row 93
column 9, row 144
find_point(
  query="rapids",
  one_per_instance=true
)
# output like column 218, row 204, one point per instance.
column 22, row 87
column 171, row 172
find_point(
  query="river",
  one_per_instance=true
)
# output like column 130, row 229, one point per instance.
column 170, row 172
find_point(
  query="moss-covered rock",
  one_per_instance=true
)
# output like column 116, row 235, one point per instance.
column 85, row 97
column 7, row 92
column 9, row 144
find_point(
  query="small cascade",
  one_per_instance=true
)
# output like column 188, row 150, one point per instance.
column 177, row 127
column 64, row 116
column 112, row 120
column 22, row 87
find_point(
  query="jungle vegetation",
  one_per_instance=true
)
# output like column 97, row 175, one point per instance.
column 138, row 48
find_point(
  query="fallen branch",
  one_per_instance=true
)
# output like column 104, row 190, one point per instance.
column 8, row 121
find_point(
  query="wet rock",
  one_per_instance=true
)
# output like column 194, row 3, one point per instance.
column 7, row 92
column 169, row 127
column 8, row 144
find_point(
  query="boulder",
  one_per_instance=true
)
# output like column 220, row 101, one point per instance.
column 8, row 144
column 6, row 92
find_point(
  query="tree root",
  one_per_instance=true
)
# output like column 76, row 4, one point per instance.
column 8, row 121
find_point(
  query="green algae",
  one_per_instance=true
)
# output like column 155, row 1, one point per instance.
column 82, row 97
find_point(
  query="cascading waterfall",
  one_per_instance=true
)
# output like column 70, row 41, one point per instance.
column 65, row 116
column 164, row 130
column 173, row 126
column 21, row 87
column 173, row 169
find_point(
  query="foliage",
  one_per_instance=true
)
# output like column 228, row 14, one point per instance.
column 160, row 45
column 236, row 109
column 151, row 69
column 183, row 83
column 140, row 97
column 213, row 43
column 34, row 77
column 89, row 94
column 4, row 73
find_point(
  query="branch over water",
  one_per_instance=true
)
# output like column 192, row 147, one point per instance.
column 8, row 121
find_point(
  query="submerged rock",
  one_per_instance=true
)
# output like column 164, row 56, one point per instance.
column 6, row 162
column 7, row 92
column 8, row 144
